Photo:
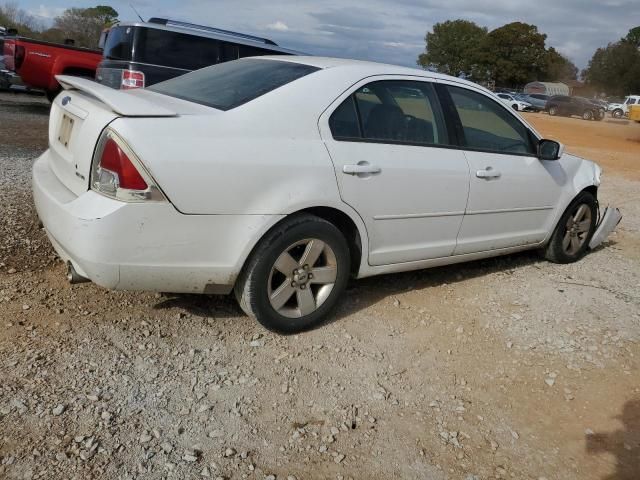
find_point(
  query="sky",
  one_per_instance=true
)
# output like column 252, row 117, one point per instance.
column 381, row 30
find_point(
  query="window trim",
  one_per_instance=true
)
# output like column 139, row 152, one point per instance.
column 436, row 107
column 446, row 98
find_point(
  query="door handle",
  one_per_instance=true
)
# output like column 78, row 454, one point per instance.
column 360, row 169
column 488, row 173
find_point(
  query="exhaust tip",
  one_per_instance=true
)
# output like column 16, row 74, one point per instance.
column 74, row 277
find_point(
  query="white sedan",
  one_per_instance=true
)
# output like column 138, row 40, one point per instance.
column 517, row 105
column 278, row 178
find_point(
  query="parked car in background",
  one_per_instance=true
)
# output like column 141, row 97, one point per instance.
column 38, row 62
column 516, row 104
column 570, row 106
column 263, row 176
column 619, row 110
column 141, row 54
column 537, row 100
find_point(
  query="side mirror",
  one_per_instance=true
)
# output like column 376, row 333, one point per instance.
column 550, row 149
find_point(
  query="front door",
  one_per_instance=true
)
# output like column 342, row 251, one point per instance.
column 512, row 194
column 394, row 165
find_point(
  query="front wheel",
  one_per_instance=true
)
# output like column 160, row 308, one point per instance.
column 570, row 240
column 296, row 275
column 553, row 111
column 617, row 113
column 587, row 115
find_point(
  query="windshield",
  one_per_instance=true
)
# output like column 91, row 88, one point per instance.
column 231, row 84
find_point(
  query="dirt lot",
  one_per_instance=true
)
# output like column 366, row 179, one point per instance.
column 509, row 368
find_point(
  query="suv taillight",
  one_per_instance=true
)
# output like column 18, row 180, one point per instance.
column 117, row 172
column 132, row 79
column 18, row 56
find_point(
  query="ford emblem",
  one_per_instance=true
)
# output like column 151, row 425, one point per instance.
column 66, row 100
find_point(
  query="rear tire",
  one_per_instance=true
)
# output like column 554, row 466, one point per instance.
column 553, row 111
column 570, row 239
column 296, row 275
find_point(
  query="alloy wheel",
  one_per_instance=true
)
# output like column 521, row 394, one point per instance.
column 302, row 278
column 577, row 229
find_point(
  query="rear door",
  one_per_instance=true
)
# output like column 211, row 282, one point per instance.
column 395, row 166
column 512, row 195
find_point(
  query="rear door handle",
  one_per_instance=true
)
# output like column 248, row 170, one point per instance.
column 488, row 173
column 360, row 169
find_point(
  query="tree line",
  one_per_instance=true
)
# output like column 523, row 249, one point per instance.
column 82, row 25
column 511, row 55
column 516, row 53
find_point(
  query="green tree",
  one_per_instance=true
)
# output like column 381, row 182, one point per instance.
column 615, row 69
column 515, row 54
column 84, row 25
column 452, row 47
column 633, row 37
column 557, row 67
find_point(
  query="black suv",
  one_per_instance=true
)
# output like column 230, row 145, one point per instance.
column 568, row 106
column 144, row 53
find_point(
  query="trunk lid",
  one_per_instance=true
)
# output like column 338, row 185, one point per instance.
column 78, row 117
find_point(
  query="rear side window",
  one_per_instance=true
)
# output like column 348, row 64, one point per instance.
column 177, row 50
column 487, row 125
column 229, row 85
column 119, row 43
column 391, row 111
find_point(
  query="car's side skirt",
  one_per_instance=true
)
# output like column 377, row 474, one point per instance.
column 370, row 271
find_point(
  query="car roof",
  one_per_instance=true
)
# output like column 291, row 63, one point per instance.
column 229, row 37
column 368, row 68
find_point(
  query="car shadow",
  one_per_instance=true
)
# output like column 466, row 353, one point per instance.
column 624, row 444
column 363, row 293
column 369, row 291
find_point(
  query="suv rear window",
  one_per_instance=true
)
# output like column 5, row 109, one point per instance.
column 119, row 43
column 229, row 85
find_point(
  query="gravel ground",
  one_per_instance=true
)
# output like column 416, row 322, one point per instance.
column 509, row 368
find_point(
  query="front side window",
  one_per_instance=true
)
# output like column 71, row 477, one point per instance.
column 632, row 101
column 394, row 111
column 231, row 84
column 487, row 125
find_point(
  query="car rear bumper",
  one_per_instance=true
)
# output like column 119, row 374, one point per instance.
column 143, row 246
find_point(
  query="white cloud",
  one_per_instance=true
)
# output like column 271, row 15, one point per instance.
column 278, row 26
column 43, row 12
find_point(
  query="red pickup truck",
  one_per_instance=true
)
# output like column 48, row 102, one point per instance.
column 39, row 62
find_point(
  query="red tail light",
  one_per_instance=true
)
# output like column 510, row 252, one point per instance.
column 116, row 162
column 19, row 56
column 132, row 79
column 118, row 173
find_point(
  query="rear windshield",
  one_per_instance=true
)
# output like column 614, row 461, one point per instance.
column 228, row 85
column 119, row 43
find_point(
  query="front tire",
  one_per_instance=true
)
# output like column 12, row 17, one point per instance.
column 587, row 115
column 617, row 113
column 296, row 275
column 553, row 111
column 572, row 235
